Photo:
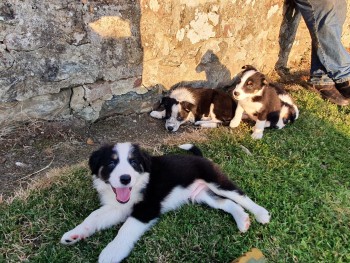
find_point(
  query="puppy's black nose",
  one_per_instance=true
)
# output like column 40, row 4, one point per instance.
column 236, row 93
column 170, row 128
column 125, row 179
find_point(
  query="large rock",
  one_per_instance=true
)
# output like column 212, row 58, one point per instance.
column 109, row 53
column 237, row 32
column 49, row 107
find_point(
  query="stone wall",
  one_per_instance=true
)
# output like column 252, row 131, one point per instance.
column 92, row 59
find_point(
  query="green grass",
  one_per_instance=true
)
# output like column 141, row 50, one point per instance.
column 300, row 174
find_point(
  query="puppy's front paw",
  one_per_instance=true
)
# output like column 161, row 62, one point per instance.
column 109, row 254
column 262, row 216
column 257, row 135
column 157, row 114
column 73, row 236
column 234, row 123
column 244, row 223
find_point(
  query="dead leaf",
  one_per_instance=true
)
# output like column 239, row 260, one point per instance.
column 90, row 141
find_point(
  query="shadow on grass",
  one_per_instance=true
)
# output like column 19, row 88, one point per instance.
column 300, row 174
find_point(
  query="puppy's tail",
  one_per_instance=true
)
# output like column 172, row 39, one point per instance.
column 191, row 148
column 293, row 114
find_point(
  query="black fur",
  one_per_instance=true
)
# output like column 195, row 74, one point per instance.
column 269, row 98
column 103, row 159
column 167, row 103
column 166, row 173
column 224, row 105
column 195, row 151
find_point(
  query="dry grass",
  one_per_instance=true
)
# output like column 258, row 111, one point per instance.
column 43, row 182
column 195, row 136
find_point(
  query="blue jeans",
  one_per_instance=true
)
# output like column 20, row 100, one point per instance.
column 330, row 61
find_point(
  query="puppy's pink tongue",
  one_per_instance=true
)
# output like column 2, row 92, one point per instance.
column 122, row 194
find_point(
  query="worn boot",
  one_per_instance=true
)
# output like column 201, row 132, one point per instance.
column 330, row 92
column 344, row 88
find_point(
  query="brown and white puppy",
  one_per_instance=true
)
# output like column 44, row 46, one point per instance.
column 204, row 107
column 135, row 188
column 268, row 105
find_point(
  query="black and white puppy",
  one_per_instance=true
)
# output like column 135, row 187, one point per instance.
column 204, row 107
column 268, row 105
column 136, row 188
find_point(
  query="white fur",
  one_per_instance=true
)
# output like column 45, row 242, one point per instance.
column 260, row 213
column 173, row 122
column 238, row 116
column 209, row 122
column 212, row 114
column 177, row 197
column 287, row 99
column 158, row 114
column 250, row 107
column 102, row 218
column 241, row 217
column 284, row 111
column 183, row 94
column 239, row 88
column 197, row 192
column 247, row 105
column 123, row 243
column 123, row 167
column 296, row 111
column 186, row 146
column 258, row 129
column 112, row 212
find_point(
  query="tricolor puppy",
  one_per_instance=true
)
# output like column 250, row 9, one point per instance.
column 268, row 105
column 136, row 188
column 204, row 107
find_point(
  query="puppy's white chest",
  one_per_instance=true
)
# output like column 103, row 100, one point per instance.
column 250, row 107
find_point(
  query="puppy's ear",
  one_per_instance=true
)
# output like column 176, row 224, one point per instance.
column 166, row 101
column 157, row 105
column 146, row 161
column 188, row 106
column 143, row 157
column 161, row 104
column 95, row 161
column 249, row 67
column 264, row 82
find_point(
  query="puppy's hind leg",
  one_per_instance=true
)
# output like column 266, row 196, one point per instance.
column 214, row 201
column 260, row 213
column 102, row 218
column 232, row 192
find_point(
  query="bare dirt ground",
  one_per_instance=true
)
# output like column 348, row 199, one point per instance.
column 29, row 150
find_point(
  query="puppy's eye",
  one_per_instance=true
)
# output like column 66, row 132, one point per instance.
column 179, row 118
column 111, row 166
column 133, row 163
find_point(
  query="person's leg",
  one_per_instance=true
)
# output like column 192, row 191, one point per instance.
column 330, row 62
